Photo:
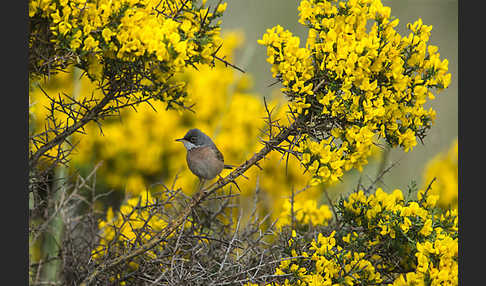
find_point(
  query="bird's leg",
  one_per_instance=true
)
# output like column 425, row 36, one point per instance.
column 201, row 183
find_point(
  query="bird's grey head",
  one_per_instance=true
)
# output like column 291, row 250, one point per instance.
column 195, row 138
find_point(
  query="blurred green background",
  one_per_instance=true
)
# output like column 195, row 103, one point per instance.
column 253, row 17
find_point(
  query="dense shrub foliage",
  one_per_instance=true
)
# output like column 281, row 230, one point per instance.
column 113, row 83
column 355, row 84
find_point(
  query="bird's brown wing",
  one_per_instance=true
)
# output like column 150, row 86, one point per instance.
column 219, row 155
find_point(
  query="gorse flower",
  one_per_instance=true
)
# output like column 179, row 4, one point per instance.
column 132, row 51
column 128, row 29
column 411, row 225
column 159, row 38
column 136, row 223
column 444, row 169
column 382, row 239
column 354, row 83
column 305, row 212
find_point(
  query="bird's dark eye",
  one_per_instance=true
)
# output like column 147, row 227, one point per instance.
column 191, row 139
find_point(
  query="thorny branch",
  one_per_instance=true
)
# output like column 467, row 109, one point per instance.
column 270, row 145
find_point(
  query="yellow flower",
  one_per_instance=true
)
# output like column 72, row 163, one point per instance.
column 90, row 43
column 64, row 27
column 443, row 167
column 362, row 76
column 427, row 228
column 221, row 7
column 106, row 33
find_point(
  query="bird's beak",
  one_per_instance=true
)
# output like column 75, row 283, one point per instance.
column 180, row 139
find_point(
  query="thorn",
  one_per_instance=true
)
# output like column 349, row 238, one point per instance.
column 234, row 182
column 258, row 165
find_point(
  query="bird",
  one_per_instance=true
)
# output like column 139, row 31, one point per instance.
column 203, row 157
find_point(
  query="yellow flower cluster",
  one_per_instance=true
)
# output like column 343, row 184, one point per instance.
column 330, row 264
column 357, row 81
column 444, row 168
column 130, row 27
column 436, row 264
column 136, row 223
column 416, row 225
column 305, row 212
column 290, row 63
column 328, row 159
column 160, row 37
column 382, row 240
column 389, row 214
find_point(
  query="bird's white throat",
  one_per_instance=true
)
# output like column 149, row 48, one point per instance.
column 188, row 145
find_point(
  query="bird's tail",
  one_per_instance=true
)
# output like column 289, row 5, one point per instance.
column 229, row 166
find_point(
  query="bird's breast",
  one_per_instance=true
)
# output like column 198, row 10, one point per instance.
column 204, row 162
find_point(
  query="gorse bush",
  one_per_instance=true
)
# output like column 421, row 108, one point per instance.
column 131, row 51
column 160, row 38
column 379, row 239
column 125, row 78
column 353, row 83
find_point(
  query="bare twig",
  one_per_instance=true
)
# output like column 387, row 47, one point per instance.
column 228, row 63
column 379, row 177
